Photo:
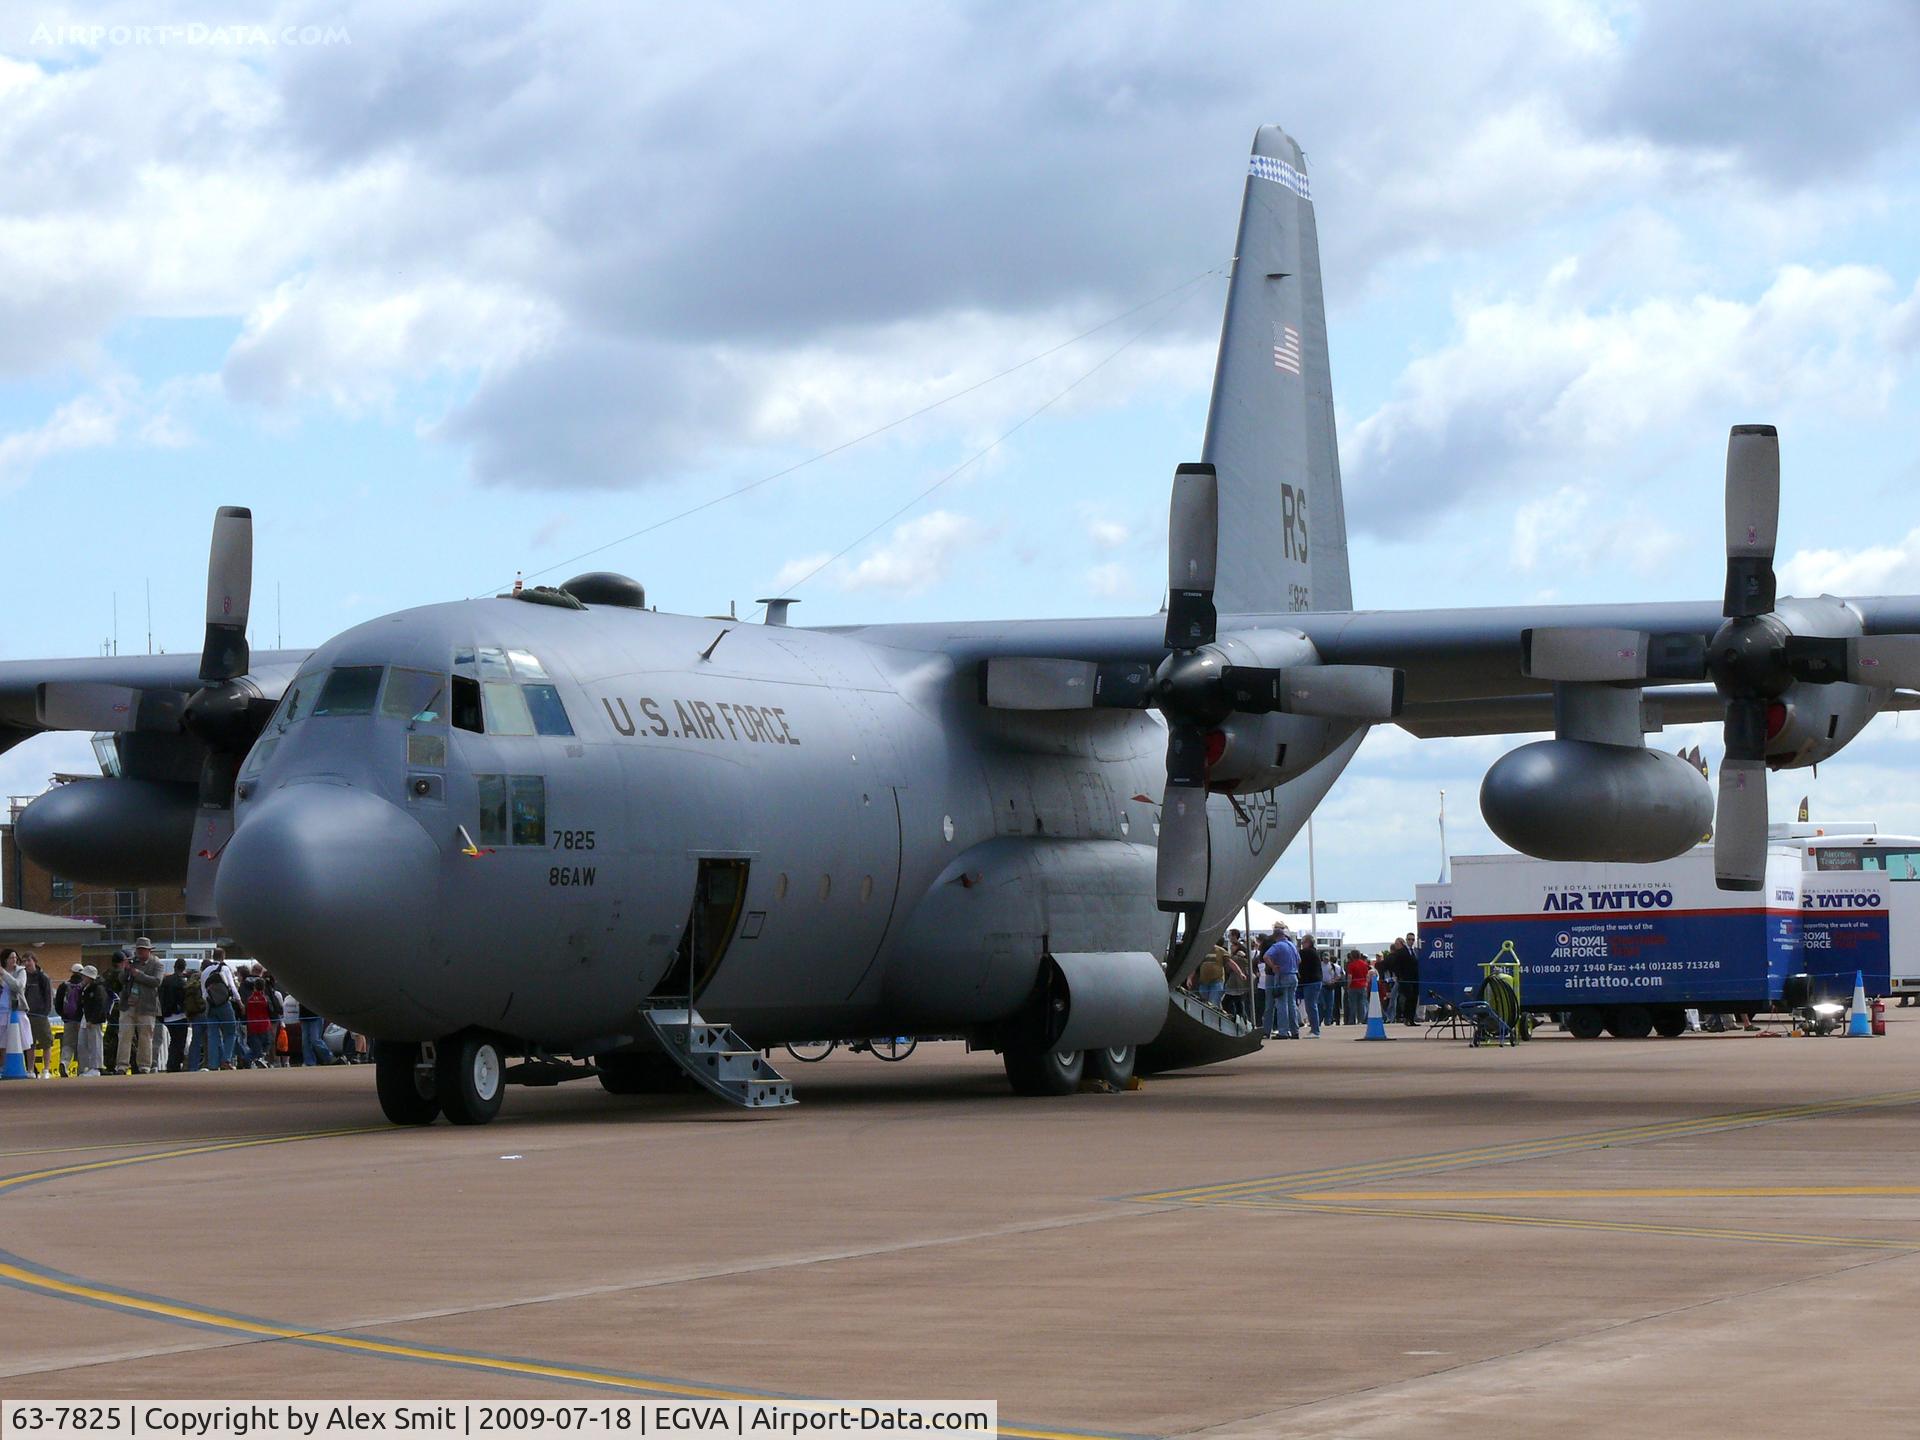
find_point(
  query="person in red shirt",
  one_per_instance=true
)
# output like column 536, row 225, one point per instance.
column 259, row 1026
column 1358, row 969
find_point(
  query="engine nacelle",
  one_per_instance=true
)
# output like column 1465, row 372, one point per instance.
column 1811, row 723
column 1254, row 753
column 1258, row 752
column 1582, row 800
column 111, row 832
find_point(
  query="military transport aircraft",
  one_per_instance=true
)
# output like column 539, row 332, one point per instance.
column 557, row 833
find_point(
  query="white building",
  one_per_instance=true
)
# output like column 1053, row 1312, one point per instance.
column 1368, row 926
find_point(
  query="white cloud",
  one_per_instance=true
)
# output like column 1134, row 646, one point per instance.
column 350, row 343
column 917, row 556
column 1887, row 569
column 1572, row 528
column 116, row 409
column 1112, row 581
column 1543, row 387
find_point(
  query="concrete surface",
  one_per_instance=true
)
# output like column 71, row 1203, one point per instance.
column 1716, row 1234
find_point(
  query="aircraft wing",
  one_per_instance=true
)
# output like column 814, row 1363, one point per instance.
column 21, row 714
column 1450, row 657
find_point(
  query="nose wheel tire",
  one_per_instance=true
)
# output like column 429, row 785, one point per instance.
column 1044, row 1072
column 1111, row 1066
column 472, row 1079
column 396, row 1078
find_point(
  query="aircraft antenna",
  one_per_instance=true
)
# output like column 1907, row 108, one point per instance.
column 114, row 644
column 982, row 452
column 149, row 615
column 894, row 424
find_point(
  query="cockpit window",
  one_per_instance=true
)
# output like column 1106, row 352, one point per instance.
column 497, row 691
column 549, row 715
column 298, row 699
column 529, row 809
column 466, row 704
column 506, row 709
column 349, row 690
column 415, row 695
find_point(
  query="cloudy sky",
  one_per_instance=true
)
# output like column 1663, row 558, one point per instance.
column 449, row 291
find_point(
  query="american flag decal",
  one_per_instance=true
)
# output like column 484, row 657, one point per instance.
column 1286, row 349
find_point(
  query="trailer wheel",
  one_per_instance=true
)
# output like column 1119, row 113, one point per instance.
column 1585, row 1023
column 1670, row 1020
column 1629, row 1022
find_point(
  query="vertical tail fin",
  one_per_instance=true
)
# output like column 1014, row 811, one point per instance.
column 1283, row 526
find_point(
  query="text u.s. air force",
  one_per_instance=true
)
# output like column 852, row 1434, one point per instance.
column 721, row 720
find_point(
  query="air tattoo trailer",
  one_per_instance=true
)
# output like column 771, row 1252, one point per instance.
column 1627, row 949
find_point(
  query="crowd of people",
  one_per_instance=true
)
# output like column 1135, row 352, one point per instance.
column 143, row 1015
column 1287, row 987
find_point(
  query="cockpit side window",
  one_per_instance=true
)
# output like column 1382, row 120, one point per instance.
column 418, row 696
column 549, row 715
column 506, row 709
column 350, row 690
column 298, row 699
column 466, row 704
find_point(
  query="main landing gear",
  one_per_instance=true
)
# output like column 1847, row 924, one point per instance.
column 1034, row 1071
column 462, row 1077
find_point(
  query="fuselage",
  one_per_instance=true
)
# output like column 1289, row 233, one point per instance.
column 537, row 821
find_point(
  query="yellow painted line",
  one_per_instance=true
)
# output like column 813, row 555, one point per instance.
column 1524, row 1149
column 174, row 1310
column 148, row 1142
column 208, row 1147
column 1624, row 1227
column 1669, row 1192
column 262, row 1330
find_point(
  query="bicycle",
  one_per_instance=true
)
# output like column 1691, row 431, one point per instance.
column 887, row 1047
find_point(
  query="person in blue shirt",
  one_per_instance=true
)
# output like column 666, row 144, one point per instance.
column 1283, row 972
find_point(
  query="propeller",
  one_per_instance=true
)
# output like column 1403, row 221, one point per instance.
column 225, row 714
column 1752, row 659
column 220, row 711
column 1195, row 687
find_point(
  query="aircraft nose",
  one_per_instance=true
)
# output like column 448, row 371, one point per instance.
column 333, row 889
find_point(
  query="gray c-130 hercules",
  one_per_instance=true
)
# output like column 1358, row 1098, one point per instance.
column 550, row 834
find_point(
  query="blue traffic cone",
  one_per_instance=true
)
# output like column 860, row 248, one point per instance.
column 1376, row 1021
column 15, row 1065
column 1857, row 1023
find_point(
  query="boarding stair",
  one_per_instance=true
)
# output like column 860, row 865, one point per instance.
column 718, row 1060
column 1196, row 1033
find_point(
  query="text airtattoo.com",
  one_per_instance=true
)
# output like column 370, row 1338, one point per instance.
column 490, row 1420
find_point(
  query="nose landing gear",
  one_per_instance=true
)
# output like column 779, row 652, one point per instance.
column 462, row 1077
column 408, row 1094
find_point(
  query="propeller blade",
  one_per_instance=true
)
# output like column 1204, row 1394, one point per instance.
column 1745, row 732
column 1023, row 683
column 1343, row 692
column 1884, row 661
column 1125, row 686
column 1193, row 546
column 1184, row 858
column 212, row 828
column 1753, row 518
column 1252, row 689
column 1740, row 826
column 1599, row 656
column 85, row 705
column 223, row 654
